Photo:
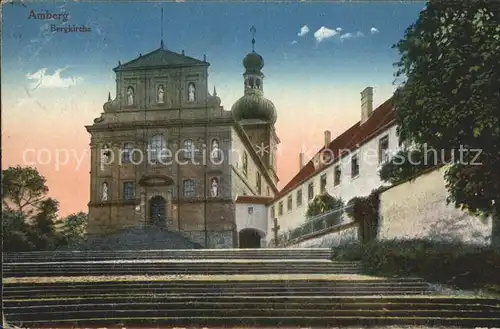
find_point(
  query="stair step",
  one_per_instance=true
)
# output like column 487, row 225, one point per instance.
column 63, row 305
column 289, row 321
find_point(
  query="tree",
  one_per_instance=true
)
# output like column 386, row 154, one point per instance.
column 323, row 203
column 44, row 224
column 23, row 189
column 16, row 232
column 74, row 227
column 406, row 164
column 449, row 98
column 29, row 215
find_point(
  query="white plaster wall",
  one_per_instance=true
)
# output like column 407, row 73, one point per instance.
column 418, row 209
column 257, row 220
column 242, row 184
column 348, row 188
column 330, row 240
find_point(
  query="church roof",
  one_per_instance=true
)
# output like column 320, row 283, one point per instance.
column 158, row 58
column 351, row 139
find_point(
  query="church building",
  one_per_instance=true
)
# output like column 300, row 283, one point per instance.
column 166, row 154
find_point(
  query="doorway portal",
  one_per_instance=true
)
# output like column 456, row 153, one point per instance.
column 249, row 238
column 157, row 211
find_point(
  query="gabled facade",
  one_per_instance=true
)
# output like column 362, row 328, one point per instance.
column 164, row 152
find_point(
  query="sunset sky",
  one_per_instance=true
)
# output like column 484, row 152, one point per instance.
column 318, row 58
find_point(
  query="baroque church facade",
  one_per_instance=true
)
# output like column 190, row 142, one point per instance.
column 165, row 153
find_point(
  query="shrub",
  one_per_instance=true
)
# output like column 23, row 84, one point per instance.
column 323, row 203
column 408, row 163
column 365, row 212
column 456, row 264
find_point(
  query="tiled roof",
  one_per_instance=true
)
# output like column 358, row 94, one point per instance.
column 351, row 139
column 160, row 57
column 254, row 199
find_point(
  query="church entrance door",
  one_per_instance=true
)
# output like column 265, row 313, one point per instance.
column 249, row 238
column 158, row 211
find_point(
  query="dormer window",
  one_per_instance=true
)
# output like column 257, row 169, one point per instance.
column 130, row 96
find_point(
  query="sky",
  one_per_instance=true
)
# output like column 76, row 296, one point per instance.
column 318, row 58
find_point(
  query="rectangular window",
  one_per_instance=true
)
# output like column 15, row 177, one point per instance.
column 310, row 191
column 280, row 208
column 188, row 187
column 245, row 163
column 323, row 183
column 127, row 152
column 188, row 149
column 383, row 149
column 337, row 175
column 299, row 198
column 128, row 190
column 289, row 203
column 354, row 166
column 250, row 210
column 273, row 212
column 258, row 184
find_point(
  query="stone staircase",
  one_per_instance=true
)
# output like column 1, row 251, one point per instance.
column 231, row 287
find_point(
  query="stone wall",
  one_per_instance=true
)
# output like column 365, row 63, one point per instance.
column 341, row 234
column 418, row 209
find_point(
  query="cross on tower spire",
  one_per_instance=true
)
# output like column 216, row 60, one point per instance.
column 253, row 30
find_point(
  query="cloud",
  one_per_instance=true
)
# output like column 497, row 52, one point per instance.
column 41, row 79
column 303, row 31
column 324, row 33
column 294, row 42
column 351, row 35
column 338, row 29
column 374, row 30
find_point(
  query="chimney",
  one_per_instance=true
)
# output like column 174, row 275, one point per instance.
column 301, row 160
column 366, row 103
column 328, row 137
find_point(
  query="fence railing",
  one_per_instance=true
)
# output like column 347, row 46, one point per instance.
column 316, row 224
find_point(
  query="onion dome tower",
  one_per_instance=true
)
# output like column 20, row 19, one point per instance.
column 253, row 105
column 255, row 113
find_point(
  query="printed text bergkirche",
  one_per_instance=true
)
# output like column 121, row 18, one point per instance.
column 63, row 17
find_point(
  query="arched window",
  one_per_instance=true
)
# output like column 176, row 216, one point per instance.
column 251, row 82
column 160, row 94
column 215, row 152
column 191, row 92
column 188, row 149
column 157, row 148
column 258, row 183
column 245, row 163
column 188, row 188
column 257, row 83
column 127, row 152
column 130, row 96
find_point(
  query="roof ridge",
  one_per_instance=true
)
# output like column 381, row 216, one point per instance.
column 293, row 183
column 137, row 58
column 160, row 53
